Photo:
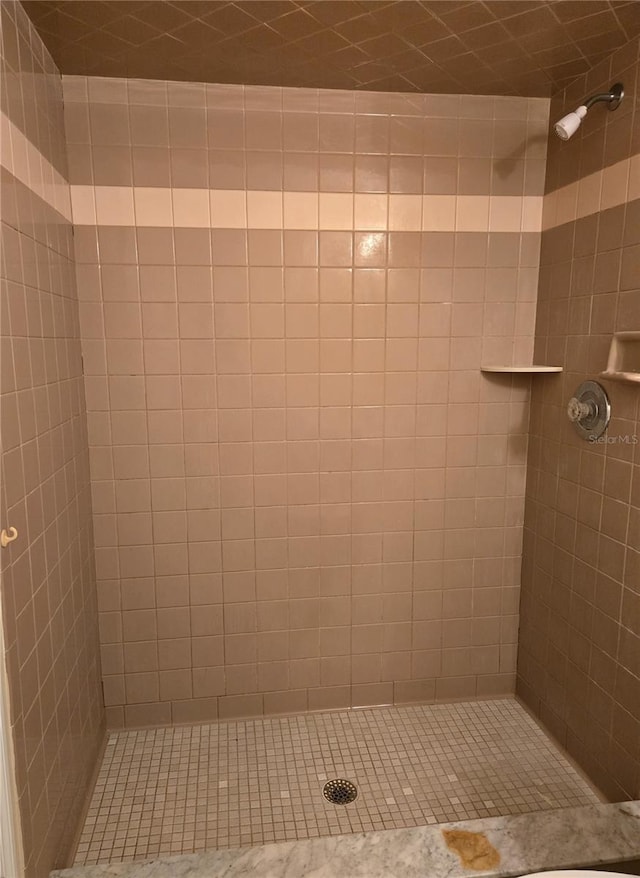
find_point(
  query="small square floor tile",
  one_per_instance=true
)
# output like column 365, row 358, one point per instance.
column 193, row 788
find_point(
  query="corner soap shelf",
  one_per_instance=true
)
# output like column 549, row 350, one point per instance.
column 624, row 358
column 522, row 370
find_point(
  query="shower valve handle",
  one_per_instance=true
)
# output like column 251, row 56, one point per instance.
column 589, row 410
column 577, row 410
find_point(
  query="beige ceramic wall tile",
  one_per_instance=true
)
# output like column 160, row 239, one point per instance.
column 284, row 384
column 579, row 542
column 50, row 612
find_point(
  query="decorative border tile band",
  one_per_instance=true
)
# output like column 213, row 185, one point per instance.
column 224, row 208
column 336, row 211
column 601, row 190
column 27, row 164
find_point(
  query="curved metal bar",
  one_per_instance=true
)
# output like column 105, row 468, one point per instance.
column 606, row 96
column 611, row 97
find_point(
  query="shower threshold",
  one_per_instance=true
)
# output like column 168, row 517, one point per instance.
column 188, row 789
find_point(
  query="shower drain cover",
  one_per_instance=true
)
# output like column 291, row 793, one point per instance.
column 340, row 791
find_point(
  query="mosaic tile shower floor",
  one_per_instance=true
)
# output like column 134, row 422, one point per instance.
column 194, row 788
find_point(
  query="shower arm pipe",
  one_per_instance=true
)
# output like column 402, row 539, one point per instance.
column 613, row 97
column 607, row 96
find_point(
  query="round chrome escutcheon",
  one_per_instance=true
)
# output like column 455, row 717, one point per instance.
column 589, row 410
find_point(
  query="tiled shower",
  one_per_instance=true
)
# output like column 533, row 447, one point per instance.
column 285, row 473
column 256, row 470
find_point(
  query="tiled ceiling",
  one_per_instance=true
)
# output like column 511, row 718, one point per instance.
column 522, row 47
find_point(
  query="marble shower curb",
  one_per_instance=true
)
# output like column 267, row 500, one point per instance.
column 587, row 836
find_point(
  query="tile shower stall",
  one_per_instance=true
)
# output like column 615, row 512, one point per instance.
column 259, row 479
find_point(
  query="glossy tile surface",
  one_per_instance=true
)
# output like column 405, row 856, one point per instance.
column 305, row 494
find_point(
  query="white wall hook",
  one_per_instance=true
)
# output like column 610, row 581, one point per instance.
column 6, row 538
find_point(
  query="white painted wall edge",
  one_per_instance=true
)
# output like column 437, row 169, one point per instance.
column 11, row 851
